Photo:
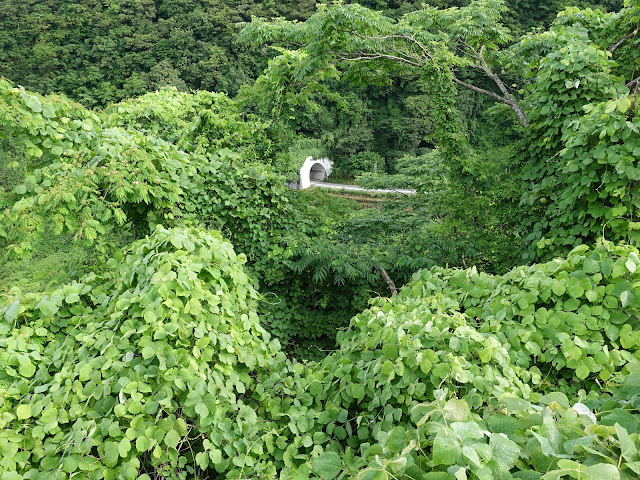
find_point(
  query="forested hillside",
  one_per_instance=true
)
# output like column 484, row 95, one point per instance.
column 169, row 309
column 99, row 52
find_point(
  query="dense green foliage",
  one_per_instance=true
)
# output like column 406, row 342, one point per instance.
column 576, row 108
column 99, row 53
column 591, row 189
column 186, row 287
column 177, row 159
column 160, row 367
column 169, row 310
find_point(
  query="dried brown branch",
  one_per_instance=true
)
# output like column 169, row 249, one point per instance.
column 387, row 279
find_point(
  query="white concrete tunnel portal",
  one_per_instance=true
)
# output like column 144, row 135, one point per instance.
column 314, row 171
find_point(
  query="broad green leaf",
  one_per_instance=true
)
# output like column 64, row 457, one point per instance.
column 628, row 449
column 70, row 463
column 456, row 410
column 357, row 391
column 626, row 298
column 559, row 288
column 215, row 455
column 505, row 451
column 85, row 372
column 124, row 447
column 202, row 460
column 12, row 312
column 390, row 351
column 142, row 444
column 603, row 471
column 48, row 308
column 202, row 410
column 327, row 466
column 111, row 454
column 172, row 438
column 72, row 298
column 48, row 111
column 23, row 411
column 27, row 368
column 446, row 449
column 372, row 474
column 397, row 440
column 582, row 371
column 622, row 417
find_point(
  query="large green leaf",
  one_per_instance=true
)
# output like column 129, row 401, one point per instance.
column 327, row 466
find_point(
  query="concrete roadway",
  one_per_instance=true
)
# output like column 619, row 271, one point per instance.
column 355, row 188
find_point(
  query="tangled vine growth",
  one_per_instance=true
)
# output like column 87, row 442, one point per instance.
column 174, row 354
column 160, row 368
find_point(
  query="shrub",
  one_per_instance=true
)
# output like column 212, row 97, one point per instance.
column 360, row 163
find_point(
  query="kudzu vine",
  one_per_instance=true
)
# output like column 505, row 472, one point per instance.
column 159, row 368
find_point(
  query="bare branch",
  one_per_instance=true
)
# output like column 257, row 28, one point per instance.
column 632, row 82
column 377, row 56
column 508, row 98
column 395, row 37
column 612, row 48
column 387, row 279
column 480, row 90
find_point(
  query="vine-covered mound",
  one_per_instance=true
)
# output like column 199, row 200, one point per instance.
column 115, row 376
column 160, row 369
column 431, row 385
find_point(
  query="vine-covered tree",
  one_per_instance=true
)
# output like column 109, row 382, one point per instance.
column 579, row 172
column 369, row 46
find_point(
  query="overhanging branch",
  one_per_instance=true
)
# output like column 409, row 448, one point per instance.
column 378, row 56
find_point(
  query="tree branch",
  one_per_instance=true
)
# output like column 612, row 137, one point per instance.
column 508, row 98
column 417, row 58
column 630, row 84
column 479, row 90
column 376, row 56
column 387, row 279
column 395, row 37
column 614, row 47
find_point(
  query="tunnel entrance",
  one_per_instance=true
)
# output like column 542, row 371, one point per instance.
column 317, row 173
column 314, row 171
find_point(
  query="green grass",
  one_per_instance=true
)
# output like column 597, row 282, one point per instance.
column 57, row 260
column 322, row 204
